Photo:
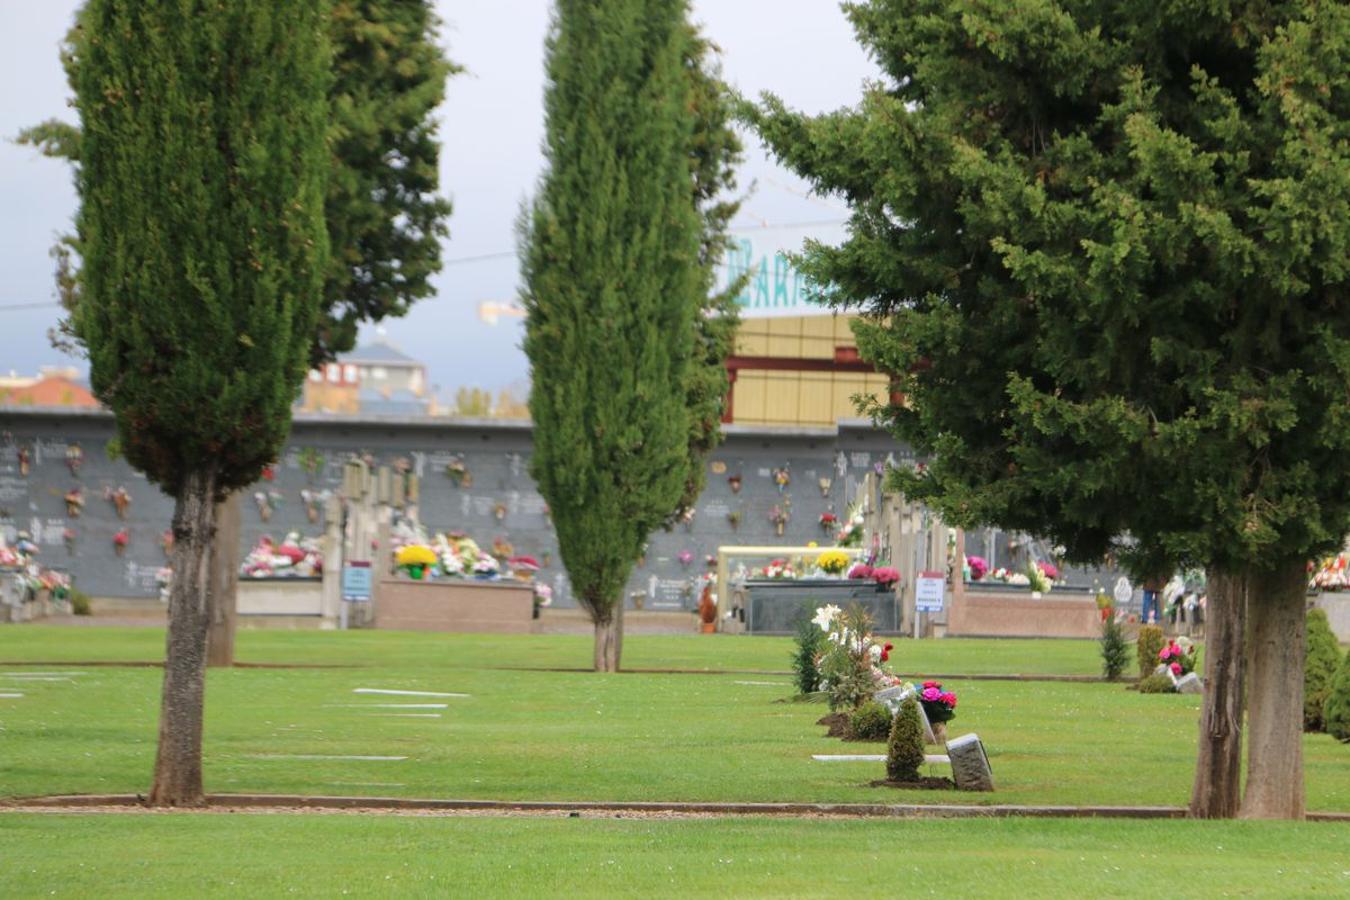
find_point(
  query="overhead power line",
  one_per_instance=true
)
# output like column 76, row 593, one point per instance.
column 17, row 307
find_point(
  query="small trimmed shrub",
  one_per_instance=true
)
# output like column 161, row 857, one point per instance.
column 1322, row 654
column 1336, row 714
column 870, row 722
column 1156, row 684
column 1115, row 649
column 904, row 750
column 79, row 603
column 1149, row 644
column 810, row 641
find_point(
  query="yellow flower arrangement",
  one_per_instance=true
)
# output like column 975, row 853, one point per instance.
column 416, row 555
column 833, row 562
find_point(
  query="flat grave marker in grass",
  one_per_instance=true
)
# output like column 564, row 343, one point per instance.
column 393, row 692
column 323, row 756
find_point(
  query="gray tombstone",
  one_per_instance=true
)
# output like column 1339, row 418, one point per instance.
column 892, row 697
column 1190, row 683
column 970, row 765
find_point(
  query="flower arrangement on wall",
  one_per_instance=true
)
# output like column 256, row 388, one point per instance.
column 782, row 477
column 779, row 516
column 311, row 462
column 120, row 499
column 458, row 472
column 74, row 459
column 120, row 541
column 314, row 501
column 267, row 502
column 74, row 502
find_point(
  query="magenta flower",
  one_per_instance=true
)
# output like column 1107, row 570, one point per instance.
column 931, row 694
column 1176, row 668
column 978, row 567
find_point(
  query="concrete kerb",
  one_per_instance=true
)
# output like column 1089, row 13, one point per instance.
column 400, row 805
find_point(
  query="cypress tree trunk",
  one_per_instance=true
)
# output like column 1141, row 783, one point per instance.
column 224, row 583
column 178, row 763
column 1278, row 628
column 1218, row 766
column 608, row 638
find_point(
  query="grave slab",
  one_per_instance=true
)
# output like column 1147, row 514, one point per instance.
column 404, row 692
column 1190, row 683
column 970, row 765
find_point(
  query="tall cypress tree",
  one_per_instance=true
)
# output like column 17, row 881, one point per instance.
column 385, row 220
column 1110, row 241
column 612, row 287
column 202, row 170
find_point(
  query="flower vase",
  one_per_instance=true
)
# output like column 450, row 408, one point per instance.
column 940, row 733
column 416, row 572
column 778, row 528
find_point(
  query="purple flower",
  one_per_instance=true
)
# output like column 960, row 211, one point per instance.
column 932, row 694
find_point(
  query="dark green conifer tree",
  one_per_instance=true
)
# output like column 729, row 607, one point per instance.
column 1319, row 668
column 1105, row 246
column 201, row 182
column 1336, row 711
column 904, row 747
column 385, row 220
column 616, row 272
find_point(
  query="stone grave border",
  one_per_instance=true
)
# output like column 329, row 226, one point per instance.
column 286, row 803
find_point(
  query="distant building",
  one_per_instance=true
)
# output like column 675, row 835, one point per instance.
column 53, row 386
column 383, row 368
column 377, row 379
column 798, row 370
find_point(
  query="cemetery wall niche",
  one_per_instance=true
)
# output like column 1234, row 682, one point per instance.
column 497, row 499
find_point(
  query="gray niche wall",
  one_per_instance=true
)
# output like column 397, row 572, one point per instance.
column 500, row 502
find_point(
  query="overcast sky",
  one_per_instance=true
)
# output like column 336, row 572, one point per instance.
column 491, row 127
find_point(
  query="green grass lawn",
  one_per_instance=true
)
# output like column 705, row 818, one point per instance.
column 49, row 643
column 285, row 855
column 543, row 735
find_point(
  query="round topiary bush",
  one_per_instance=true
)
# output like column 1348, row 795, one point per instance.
column 1322, row 655
column 870, row 722
column 1156, row 684
column 904, row 750
column 1148, row 645
column 1336, row 714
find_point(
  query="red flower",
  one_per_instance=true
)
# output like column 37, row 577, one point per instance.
column 885, row 653
column 932, row 684
column 889, row 647
column 949, row 698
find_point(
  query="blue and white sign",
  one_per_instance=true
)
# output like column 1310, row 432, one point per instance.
column 357, row 582
column 928, row 594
